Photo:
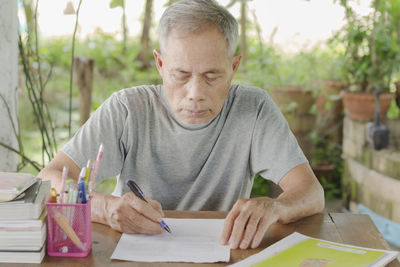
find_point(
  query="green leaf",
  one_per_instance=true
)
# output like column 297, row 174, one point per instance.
column 116, row 3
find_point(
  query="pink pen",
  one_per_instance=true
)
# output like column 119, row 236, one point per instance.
column 64, row 178
column 93, row 174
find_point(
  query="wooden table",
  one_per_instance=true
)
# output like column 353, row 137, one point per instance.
column 345, row 228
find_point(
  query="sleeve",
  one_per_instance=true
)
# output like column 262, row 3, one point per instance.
column 274, row 149
column 106, row 125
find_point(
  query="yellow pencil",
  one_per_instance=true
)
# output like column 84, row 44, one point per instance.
column 62, row 221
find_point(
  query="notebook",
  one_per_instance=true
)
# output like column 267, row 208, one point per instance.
column 30, row 206
column 300, row 250
column 13, row 184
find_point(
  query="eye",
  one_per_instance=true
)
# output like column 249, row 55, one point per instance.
column 181, row 76
column 211, row 77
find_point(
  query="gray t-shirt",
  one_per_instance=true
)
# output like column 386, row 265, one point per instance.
column 183, row 166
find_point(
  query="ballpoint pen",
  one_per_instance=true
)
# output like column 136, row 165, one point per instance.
column 139, row 193
column 81, row 186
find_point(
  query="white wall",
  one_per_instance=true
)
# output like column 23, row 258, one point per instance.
column 8, row 81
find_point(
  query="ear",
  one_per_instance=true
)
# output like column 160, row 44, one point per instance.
column 158, row 60
column 236, row 63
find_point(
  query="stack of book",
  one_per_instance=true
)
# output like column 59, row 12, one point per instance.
column 23, row 200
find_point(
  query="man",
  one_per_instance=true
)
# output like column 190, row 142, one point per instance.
column 195, row 142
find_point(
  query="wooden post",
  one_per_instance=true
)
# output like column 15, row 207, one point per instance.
column 83, row 74
column 143, row 55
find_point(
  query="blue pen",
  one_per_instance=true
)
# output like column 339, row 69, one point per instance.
column 139, row 193
column 81, row 186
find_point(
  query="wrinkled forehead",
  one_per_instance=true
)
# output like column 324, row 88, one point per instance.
column 185, row 31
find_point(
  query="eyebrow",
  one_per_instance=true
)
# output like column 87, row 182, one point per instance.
column 212, row 71
column 180, row 70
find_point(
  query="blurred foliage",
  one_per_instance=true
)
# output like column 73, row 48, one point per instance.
column 372, row 44
column 332, row 190
column 106, row 186
column 326, row 153
column 113, row 71
column 394, row 111
column 260, row 186
column 267, row 67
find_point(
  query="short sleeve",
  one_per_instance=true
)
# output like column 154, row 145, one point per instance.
column 106, row 125
column 274, row 148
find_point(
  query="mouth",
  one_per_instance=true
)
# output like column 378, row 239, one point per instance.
column 196, row 112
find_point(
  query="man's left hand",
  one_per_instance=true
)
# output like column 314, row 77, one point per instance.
column 247, row 222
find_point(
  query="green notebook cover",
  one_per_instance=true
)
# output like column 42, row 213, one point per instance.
column 317, row 253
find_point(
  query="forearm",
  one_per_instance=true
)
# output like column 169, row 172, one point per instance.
column 100, row 210
column 54, row 175
column 293, row 205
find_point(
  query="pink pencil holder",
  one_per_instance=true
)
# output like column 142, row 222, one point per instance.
column 69, row 230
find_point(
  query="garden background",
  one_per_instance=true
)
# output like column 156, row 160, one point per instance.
column 306, row 54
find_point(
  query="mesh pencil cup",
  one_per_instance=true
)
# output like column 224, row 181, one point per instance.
column 69, row 232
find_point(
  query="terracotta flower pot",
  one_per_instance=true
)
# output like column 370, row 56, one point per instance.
column 295, row 103
column 361, row 106
column 325, row 170
column 330, row 88
column 284, row 96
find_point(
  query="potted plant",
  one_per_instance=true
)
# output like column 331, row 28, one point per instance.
column 329, row 82
column 326, row 162
column 371, row 57
column 291, row 88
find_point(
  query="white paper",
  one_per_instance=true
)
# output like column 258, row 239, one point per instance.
column 192, row 240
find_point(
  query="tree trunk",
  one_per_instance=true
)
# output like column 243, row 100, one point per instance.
column 83, row 68
column 8, row 85
column 143, row 55
column 243, row 37
column 29, row 16
column 124, row 29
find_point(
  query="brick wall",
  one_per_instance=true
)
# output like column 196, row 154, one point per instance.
column 371, row 177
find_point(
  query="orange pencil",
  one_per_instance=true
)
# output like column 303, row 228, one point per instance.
column 62, row 221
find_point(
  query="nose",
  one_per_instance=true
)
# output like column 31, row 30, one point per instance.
column 196, row 89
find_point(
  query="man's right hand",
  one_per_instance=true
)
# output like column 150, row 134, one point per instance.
column 130, row 214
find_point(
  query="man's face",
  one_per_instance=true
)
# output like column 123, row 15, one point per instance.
column 196, row 72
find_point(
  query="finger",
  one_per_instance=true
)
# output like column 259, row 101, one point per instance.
column 263, row 226
column 137, row 223
column 251, row 228
column 228, row 225
column 144, row 208
column 238, row 229
column 156, row 205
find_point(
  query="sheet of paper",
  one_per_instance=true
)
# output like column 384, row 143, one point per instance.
column 192, row 240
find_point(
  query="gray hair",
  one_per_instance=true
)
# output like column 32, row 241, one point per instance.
column 190, row 16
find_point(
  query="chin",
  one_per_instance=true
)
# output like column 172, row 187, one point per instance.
column 196, row 121
column 195, row 118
